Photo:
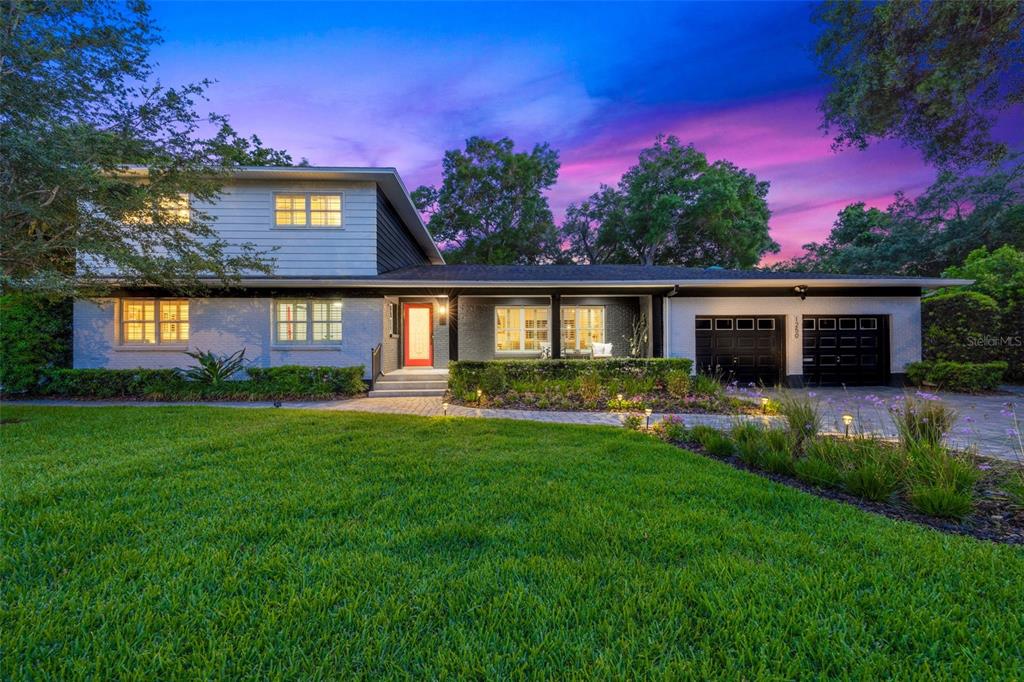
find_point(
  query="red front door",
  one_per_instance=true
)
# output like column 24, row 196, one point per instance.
column 417, row 333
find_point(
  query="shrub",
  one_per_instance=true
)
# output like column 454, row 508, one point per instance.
column 933, row 465
column 214, row 369
column 922, row 419
column 633, row 422
column 949, row 320
column 939, row 500
column 112, row 383
column 1012, row 349
column 707, row 385
column 965, row 377
column 467, row 375
column 677, row 383
column 35, row 337
column 802, row 416
column 590, row 386
column 299, row 381
column 670, row 429
column 288, row 381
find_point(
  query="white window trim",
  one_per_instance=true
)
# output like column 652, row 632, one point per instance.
column 576, row 317
column 522, row 329
column 308, row 343
column 308, row 224
column 160, row 344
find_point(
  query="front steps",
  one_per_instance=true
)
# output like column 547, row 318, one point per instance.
column 410, row 382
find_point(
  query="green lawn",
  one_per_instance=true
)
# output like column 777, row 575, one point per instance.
column 188, row 542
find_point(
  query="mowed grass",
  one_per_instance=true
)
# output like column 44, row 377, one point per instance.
column 183, row 542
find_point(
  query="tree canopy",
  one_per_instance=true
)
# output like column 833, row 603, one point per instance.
column 491, row 206
column 998, row 273
column 78, row 103
column 935, row 75
column 674, row 208
column 926, row 235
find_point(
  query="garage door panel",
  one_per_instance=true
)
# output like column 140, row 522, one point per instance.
column 743, row 348
column 850, row 351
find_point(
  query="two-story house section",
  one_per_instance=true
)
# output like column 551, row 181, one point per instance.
column 358, row 280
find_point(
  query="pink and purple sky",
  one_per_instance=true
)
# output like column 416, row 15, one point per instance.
column 393, row 84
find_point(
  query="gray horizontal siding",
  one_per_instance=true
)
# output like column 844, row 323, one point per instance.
column 226, row 325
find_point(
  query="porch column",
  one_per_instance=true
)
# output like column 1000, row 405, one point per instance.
column 658, row 326
column 453, row 328
column 556, row 325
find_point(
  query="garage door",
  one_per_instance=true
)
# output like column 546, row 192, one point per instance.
column 850, row 351
column 747, row 349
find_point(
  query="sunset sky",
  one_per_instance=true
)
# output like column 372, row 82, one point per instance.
column 396, row 85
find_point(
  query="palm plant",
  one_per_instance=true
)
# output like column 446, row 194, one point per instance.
column 214, row 369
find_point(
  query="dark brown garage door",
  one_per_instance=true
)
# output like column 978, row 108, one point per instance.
column 746, row 348
column 850, row 351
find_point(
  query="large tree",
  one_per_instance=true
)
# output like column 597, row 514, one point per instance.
column 674, row 208
column 924, row 236
column 934, row 75
column 78, row 103
column 491, row 206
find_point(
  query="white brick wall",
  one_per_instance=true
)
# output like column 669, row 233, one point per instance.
column 904, row 321
column 225, row 325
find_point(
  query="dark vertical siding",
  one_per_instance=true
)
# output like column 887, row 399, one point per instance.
column 395, row 246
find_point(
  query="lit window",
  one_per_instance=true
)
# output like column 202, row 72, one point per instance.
column 176, row 209
column 307, row 210
column 520, row 328
column 582, row 326
column 141, row 325
column 313, row 321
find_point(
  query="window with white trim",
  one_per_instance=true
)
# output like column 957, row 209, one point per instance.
column 313, row 321
column 520, row 329
column 175, row 209
column 154, row 321
column 582, row 326
column 307, row 209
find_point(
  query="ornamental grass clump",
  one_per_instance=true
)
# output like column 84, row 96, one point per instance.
column 706, row 386
column 922, row 418
column 875, row 470
column 802, row 415
column 714, row 441
column 677, row 383
column 940, row 482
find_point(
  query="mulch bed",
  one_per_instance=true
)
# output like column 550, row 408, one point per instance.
column 996, row 517
column 728, row 406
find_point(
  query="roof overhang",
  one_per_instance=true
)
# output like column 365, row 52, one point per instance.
column 682, row 285
column 387, row 179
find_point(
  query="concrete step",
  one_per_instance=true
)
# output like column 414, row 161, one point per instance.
column 406, row 392
column 411, row 384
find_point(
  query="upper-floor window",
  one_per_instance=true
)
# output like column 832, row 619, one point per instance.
column 520, row 328
column 151, row 321
column 582, row 326
column 173, row 209
column 307, row 321
column 307, row 209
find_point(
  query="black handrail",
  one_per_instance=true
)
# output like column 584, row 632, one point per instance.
column 375, row 368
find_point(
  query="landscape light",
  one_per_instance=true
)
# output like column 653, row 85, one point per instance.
column 618, row 396
column 444, row 406
column 764, row 404
column 847, row 422
column 479, row 393
column 648, row 413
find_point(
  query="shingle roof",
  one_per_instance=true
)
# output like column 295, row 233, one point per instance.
column 599, row 273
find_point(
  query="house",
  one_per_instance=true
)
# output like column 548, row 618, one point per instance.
column 359, row 280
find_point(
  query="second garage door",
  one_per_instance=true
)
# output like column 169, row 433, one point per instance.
column 846, row 350
column 747, row 349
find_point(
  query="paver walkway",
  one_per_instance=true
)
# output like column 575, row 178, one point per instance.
column 983, row 421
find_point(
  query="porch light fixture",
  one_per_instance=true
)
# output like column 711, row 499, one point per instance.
column 847, row 422
column 442, row 314
column 801, row 291
column 648, row 413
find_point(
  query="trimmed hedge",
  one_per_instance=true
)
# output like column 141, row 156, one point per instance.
column 494, row 375
column 264, row 383
column 35, row 336
column 966, row 377
column 952, row 324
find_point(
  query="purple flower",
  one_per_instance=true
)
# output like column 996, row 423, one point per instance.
column 984, row 467
column 811, row 394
